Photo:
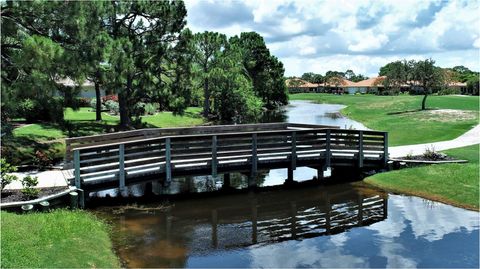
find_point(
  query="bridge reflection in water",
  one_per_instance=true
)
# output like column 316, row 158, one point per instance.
column 151, row 237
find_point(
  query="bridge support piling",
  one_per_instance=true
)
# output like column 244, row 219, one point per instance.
column 289, row 175
column 226, row 181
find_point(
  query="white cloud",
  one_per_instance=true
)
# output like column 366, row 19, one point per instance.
column 361, row 35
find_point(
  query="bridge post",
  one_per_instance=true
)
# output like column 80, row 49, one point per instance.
column 168, row 167
column 121, row 166
column 327, row 149
column 360, row 149
column 293, row 155
column 214, row 156
column 385, row 148
column 76, row 163
column 253, row 175
column 226, row 181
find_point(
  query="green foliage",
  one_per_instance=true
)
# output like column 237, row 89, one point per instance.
column 265, row 70
column 93, row 105
column 151, row 108
column 41, row 240
column 29, row 183
column 449, row 91
column 112, row 106
column 5, row 170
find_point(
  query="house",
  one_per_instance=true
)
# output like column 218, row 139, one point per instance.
column 297, row 85
column 87, row 89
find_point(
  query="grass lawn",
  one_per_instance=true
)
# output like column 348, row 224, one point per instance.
column 65, row 239
column 456, row 184
column 48, row 138
column 399, row 115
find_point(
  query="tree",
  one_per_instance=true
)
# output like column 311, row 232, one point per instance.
column 33, row 58
column 265, row 70
column 143, row 34
column 396, row 75
column 208, row 46
column 234, row 97
column 426, row 75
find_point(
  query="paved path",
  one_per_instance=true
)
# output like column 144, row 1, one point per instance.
column 53, row 178
column 56, row 178
column 471, row 137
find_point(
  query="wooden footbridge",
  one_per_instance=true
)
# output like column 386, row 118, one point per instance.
column 119, row 159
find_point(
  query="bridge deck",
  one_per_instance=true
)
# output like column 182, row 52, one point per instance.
column 122, row 159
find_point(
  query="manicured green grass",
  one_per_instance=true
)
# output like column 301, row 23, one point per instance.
column 399, row 115
column 48, row 138
column 64, row 239
column 191, row 117
column 39, row 132
column 456, row 184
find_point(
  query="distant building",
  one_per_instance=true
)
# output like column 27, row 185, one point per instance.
column 87, row 89
column 341, row 85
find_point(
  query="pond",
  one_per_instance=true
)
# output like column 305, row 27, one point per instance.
column 309, row 225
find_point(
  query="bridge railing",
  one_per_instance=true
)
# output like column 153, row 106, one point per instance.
column 221, row 151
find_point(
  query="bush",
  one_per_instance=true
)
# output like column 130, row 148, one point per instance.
column 448, row 91
column 93, row 104
column 29, row 183
column 111, row 97
column 41, row 159
column 5, row 169
column 151, row 108
column 42, row 110
column 82, row 101
column 112, row 106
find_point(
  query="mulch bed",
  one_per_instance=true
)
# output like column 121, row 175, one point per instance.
column 437, row 157
column 9, row 196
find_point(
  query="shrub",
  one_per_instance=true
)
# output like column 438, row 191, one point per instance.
column 5, row 169
column 93, row 104
column 29, row 183
column 111, row 97
column 50, row 109
column 82, row 101
column 448, row 91
column 41, row 159
column 27, row 108
column 431, row 154
column 151, row 108
column 112, row 106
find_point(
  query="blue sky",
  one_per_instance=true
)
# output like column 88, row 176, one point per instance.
column 317, row 36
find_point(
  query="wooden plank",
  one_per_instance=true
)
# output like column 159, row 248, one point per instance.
column 327, row 150
column 360, row 149
column 293, row 154
column 168, row 164
column 121, row 166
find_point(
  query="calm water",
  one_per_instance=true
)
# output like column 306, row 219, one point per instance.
column 343, row 225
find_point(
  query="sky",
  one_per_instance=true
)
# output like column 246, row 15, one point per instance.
column 317, row 36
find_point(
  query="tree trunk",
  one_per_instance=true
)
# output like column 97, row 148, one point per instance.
column 206, row 104
column 125, row 122
column 99, row 101
column 424, row 100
